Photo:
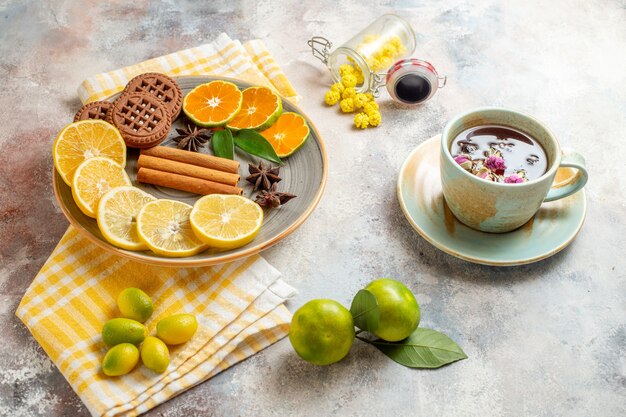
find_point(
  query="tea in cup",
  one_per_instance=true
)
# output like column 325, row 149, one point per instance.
column 498, row 166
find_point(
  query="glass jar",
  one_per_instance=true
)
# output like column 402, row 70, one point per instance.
column 375, row 52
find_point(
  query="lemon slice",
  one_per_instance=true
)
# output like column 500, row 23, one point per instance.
column 117, row 216
column 164, row 226
column 83, row 140
column 226, row 221
column 92, row 179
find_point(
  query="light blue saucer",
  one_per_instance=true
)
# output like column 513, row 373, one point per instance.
column 555, row 225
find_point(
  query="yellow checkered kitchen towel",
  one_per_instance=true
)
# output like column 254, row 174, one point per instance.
column 239, row 305
column 251, row 62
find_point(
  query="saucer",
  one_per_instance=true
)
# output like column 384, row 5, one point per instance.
column 555, row 225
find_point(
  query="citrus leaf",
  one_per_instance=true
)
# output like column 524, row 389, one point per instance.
column 222, row 142
column 424, row 348
column 364, row 309
column 255, row 144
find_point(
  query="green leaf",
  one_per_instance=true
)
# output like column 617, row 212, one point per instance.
column 223, row 146
column 424, row 348
column 364, row 309
column 255, row 144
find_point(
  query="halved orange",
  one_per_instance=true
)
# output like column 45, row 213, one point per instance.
column 260, row 108
column 288, row 134
column 213, row 104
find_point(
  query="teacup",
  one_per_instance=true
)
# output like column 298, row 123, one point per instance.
column 498, row 207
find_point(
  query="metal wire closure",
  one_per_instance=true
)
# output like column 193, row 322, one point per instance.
column 320, row 48
column 442, row 83
column 377, row 81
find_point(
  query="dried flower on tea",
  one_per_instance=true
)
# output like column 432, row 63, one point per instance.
column 516, row 178
column 513, row 179
column 485, row 173
column 263, row 177
column 272, row 198
column 464, row 161
column 496, row 164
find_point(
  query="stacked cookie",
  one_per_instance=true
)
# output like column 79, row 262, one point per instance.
column 143, row 113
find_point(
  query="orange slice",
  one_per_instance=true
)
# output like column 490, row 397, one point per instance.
column 260, row 108
column 288, row 134
column 213, row 104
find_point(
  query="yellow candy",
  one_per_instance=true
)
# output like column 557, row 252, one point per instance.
column 385, row 61
column 369, row 96
column 348, row 80
column 374, row 118
column 389, row 50
column 399, row 45
column 361, row 120
column 347, row 105
column 359, row 77
column 346, row 69
column 348, row 93
column 369, row 38
column 332, row 97
column 370, row 107
column 338, row 87
column 375, row 64
column 360, row 100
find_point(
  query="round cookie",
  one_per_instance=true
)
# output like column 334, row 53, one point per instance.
column 160, row 86
column 142, row 119
column 95, row 110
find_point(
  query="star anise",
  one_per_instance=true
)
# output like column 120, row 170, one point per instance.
column 192, row 139
column 272, row 198
column 263, row 177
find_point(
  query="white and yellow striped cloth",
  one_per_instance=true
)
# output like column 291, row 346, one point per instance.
column 251, row 62
column 239, row 305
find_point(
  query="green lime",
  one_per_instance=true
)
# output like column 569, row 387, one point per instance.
column 399, row 311
column 135, row 304
column 154, row 354
column 120, row 330
column 322, row 332
column 120, row 359
column 177, row 329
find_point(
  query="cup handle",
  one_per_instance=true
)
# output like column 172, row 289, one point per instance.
column 573, row 160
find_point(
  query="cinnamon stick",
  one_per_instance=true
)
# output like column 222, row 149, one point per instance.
column 184, row 183
column 175, row 167
column 193, row 158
